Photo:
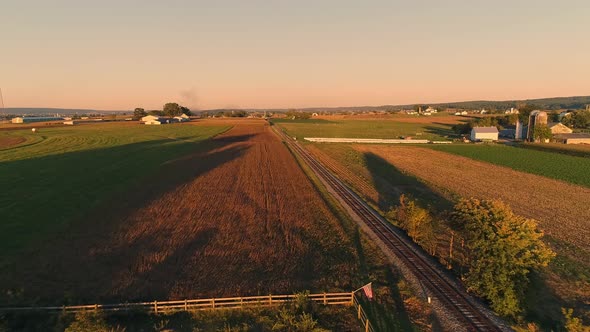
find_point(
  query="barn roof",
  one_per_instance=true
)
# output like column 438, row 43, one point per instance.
column 485, row 130
column 574, row 135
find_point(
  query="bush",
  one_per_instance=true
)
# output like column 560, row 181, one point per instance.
column 416, row 221
column 502, row 249
column 90, row 322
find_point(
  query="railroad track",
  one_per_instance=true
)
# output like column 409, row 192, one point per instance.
column 454, row 300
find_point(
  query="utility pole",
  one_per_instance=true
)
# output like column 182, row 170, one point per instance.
column 1, row 104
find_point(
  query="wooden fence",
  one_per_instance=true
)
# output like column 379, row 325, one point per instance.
column 362, row 315
column 348, row 299
column 196, row 304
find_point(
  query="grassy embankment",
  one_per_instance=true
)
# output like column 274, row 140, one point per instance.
column 58, row 174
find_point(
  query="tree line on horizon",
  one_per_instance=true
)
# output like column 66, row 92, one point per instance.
column 169, row 110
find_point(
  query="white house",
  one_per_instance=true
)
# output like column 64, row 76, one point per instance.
column 182, row 118
column 154, row 120
column 484, row 134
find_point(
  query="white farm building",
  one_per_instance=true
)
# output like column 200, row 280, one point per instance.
column 484, row 134
column 155, row 120
column 182, row 118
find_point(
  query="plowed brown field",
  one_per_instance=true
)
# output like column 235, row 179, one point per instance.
column 6, row 142
column 562, row 209
column 236, row 217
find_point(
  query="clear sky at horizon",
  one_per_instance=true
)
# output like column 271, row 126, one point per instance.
column 262, row 54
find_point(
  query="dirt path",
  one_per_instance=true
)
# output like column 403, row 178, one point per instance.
column 237, row 217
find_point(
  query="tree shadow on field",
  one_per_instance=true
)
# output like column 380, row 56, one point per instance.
column 83, row 197
column 440, row 131
column 391, row 183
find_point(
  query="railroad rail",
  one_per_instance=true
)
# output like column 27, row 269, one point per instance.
column 456, row 301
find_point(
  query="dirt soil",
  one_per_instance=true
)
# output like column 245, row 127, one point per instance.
column 7, row 142
column 237, row 217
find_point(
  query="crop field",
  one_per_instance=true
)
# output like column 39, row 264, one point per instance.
column 54, row 176
column 559, row 207
column 375, row 128
column 578, row 150
column 218, row 219
column 444, row 118
column 553, row 165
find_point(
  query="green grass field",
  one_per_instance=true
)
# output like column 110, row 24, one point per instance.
column 550, row 164
column 59, row 174
column 364, row 129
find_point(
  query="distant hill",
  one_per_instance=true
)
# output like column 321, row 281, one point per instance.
column 556, row 103
column 52, row 111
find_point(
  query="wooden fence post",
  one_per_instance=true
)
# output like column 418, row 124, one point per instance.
column 359, row 311
column 325, row 299
column 156, row 307
column 367, row 325
column 185, row 305
column 352, row 298
column 96, row 307
column 241, row 302
column 269, row 299
column 213, row 303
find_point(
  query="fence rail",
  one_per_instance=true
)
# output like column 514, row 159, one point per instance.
column 196, row 304
column 362, row 315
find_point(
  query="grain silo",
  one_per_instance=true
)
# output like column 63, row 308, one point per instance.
column 536, row 118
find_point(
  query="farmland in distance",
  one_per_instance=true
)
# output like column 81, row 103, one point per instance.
column 329, row 126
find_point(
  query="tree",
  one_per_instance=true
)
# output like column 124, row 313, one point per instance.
column 415, row 220
column 156, row 113
column 186, row 110
column 542, row 133
column 138, row 113
column 172, row 109
column 502, row 250
column 581, row 119
column 297, row 115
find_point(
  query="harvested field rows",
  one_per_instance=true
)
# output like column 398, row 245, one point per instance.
column 561, row 208
column 240, row 218
column 7, row 142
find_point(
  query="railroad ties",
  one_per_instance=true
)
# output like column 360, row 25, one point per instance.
column 455, row 300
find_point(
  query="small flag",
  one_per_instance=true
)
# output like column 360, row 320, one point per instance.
column 368, row 291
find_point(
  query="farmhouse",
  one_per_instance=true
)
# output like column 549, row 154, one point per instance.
column 559, row 128
column 484, row 134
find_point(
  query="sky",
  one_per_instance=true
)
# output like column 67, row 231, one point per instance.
column 123, row 54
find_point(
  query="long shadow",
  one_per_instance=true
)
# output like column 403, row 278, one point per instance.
column 391, row 183
column 440, row 131
column 82, row 195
